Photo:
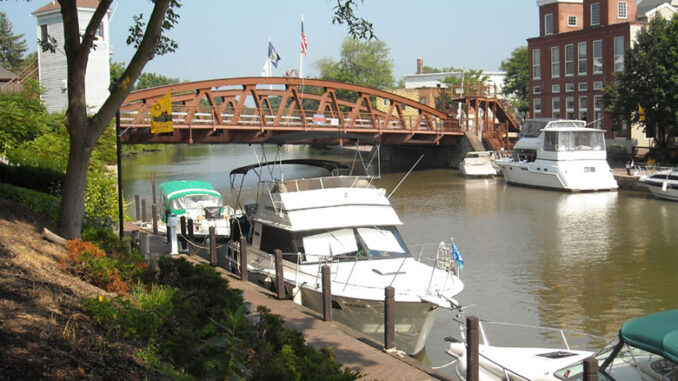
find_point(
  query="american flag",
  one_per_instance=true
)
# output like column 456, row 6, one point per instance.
column 304, row 43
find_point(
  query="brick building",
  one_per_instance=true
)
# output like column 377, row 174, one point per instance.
column 581, row 45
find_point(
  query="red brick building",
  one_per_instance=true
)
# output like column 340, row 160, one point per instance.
column 580, row 46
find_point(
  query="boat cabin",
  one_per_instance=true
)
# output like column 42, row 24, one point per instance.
column 561, row 140
column 194, row 198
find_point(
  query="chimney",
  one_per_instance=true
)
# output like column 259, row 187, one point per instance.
column 420, row 65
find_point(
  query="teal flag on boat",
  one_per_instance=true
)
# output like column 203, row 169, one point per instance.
column 457, row 256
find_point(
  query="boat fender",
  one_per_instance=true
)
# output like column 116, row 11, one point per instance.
column 664, row 185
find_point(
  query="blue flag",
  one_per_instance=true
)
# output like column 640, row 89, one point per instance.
column 273, row 54
column 457, row 256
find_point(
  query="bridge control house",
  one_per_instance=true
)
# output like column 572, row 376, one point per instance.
column 580, row 47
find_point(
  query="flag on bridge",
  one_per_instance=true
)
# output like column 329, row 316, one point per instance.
column 273, row 55
column 161, row 115
column 304, row 42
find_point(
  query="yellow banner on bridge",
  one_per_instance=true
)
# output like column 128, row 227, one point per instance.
column 161, row 115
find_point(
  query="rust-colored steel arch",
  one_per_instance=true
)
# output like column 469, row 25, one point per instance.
column 252, row 109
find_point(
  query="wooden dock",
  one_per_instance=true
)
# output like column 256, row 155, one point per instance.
column 350, row 348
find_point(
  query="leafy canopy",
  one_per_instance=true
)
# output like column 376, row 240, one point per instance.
column 517, row 80
column 649, row 80
column 364, row 63
column 12, row 47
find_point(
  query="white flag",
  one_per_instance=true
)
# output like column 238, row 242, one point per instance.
column 265, row 70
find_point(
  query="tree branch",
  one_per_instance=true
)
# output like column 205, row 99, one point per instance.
column 90, row 33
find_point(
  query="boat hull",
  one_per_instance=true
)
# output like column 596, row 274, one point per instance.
column 575, row 176
column 667, row 190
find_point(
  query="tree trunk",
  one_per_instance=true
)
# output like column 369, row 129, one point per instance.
column 72, row 210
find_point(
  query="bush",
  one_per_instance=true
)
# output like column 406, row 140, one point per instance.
column 90, row 263
column 39, row 179
column 41, row 203
column 617, row 153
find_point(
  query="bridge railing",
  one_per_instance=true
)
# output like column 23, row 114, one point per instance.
column 206, row 116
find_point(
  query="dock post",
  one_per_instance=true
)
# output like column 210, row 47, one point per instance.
column 213, row 246
column 327, row 293
column 472, row 338
column 144, row 217
column 191, row 237
column 154, row 211
column 182, row 239
column 590, row 369
column 167, row 217
column 153, row 186
column 144, row 245
column 389, row 318
column 279, row 276
column 243, row 259
column 137, row 206
column 172, row 233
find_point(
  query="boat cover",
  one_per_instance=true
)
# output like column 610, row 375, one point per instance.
column 656, row 333
column 175, row 189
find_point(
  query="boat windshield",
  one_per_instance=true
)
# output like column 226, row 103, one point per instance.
column 560, row 141
column 195, row 201
column 352, row 243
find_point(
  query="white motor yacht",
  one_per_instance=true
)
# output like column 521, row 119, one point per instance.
column 478, row 164
column 347, row 223
column 559, row 154
column 646, row 348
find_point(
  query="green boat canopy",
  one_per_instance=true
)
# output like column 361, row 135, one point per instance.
column 180, row 188
column 656, row 333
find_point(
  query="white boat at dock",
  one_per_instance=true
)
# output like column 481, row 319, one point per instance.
column 346, row 222
column 478, row 164
column 662, row 182
column 559, row 154
column 646, row 348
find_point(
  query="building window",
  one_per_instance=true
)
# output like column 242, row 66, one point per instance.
column 619, row 53
column 536, row 90
column 384, row 102
column 595, row 14
column 581, row 55
column 622, row 12
column 555, row 89
column 583, row 86
column 44, row 35
column 422, row 100
column 597, row 56
column 100, row 31
column 572, row 21
column 569, row 60
column 598, row 85
column 548, row 24
column 555, row 62
column 555, row 107
column 537, row 106
column 569, row 87
column 536, row 64
column 583, row 100
column 569, row 107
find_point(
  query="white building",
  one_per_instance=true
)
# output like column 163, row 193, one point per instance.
column 52, row 66
column 432, row 80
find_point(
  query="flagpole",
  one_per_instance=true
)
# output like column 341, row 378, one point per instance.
column 301, row 51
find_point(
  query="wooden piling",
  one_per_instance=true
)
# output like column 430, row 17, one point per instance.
column 243, row 259
column 590, row 369
column 213, row 246
column 472, row 337
column 182, row 238
column 167, row 227
column 327, row 293
column 279, row 276
column 144, row 216
column 389, row 318
column 155, row 202
column 137, row 206
column 191, row 236
column 144, row 244
column 154, row 211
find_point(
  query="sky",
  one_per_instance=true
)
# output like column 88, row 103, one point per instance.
column 229, row 38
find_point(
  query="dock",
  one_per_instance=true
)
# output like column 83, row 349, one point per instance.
column 349, row 347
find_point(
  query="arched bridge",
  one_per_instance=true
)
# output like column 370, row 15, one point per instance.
column 253, row 109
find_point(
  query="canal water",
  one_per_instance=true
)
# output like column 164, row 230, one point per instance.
column 585, row 262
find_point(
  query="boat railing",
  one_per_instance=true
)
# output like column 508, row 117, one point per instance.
column 329, row 182
column 649, row 170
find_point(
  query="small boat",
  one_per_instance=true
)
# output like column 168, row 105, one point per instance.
column 478, row 164
column 559, row 154
column 199, row 201
column 646, row 348
column 663, row 184
column 339, row 218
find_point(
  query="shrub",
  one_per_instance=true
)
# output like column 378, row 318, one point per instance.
column 39, row 179
column 617, row 153
column 42, row 203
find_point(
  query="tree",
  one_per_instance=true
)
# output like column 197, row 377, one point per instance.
column 85, row 130
column 145, row 81
column 12, row 47
column 517, row 80
column 649, row 82
column 364, row 63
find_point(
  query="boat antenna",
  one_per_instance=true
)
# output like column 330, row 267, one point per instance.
column 404, row 177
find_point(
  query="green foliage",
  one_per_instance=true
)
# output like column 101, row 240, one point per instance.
column 101, row 199
column 363, row 63
column 22, row 116
column 42, row 203
column 616, row 153
column 357, row 26
column 517, row 80
column 39, row 179
column 164, row 44
column 649, row 80
column 145, row 81
column 12, row 47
